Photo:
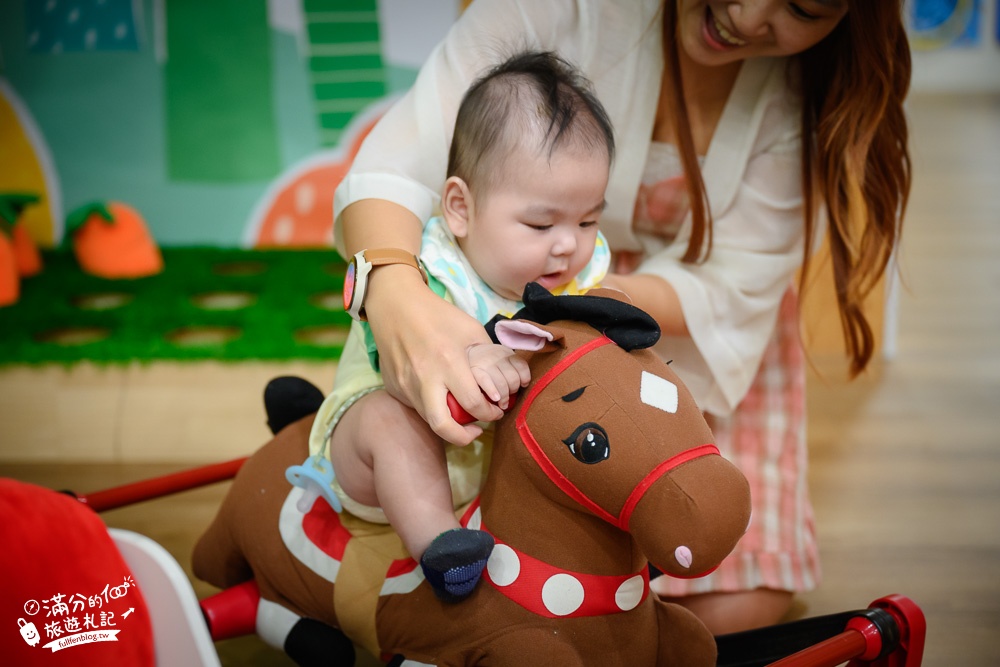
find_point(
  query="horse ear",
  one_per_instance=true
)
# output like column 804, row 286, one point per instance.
column 524, row 335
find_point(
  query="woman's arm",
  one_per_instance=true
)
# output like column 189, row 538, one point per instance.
column 654, row 295
column 730, row 302
column 727, row 305
column 397, row 227
column 423, row 340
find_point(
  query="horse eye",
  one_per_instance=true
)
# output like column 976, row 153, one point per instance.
column 589, row 443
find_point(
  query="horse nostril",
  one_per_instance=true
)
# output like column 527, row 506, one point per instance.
column 683, row 556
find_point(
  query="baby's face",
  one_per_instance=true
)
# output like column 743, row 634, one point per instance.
column 540, row 223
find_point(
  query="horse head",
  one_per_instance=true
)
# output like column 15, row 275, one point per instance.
column 608, row 428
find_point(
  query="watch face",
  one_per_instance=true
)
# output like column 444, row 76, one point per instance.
column 350, row 282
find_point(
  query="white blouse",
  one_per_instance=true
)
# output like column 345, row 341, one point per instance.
column 751, row 170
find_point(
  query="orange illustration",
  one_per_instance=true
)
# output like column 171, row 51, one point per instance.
column 300, row 210
column 10, row 283
column 112, row 241
column 26, row 256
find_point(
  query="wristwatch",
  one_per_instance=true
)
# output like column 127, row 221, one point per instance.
column 362, row 264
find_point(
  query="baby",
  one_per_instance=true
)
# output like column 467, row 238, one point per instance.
column 527, row 175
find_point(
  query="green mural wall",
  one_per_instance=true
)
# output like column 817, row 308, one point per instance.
column 220, row 119
column 345, row 61
column 202, row 108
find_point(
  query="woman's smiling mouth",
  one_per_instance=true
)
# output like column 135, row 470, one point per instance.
column 718, row 34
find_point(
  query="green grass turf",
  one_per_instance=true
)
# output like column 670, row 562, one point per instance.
column 291, row 294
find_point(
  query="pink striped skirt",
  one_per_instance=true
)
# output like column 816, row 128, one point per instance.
column 766, row 438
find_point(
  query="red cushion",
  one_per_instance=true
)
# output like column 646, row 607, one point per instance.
column 63, row 578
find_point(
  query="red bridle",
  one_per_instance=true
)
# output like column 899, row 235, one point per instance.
column 563, row 482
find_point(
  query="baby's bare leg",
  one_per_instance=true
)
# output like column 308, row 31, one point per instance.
column 384, row 454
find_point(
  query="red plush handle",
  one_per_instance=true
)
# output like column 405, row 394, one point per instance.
column 459, row 414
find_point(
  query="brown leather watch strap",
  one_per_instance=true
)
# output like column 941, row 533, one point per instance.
column 387, row 256
column 383, row 256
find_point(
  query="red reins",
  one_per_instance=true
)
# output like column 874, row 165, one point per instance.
column 563, row 482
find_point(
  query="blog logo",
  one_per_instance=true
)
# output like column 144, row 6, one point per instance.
column 77, row 618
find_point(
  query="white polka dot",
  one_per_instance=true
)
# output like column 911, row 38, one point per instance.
column 629, row 594
column 284, row 227
column 305, row 198
column 504, row 566
column 476, row 520
column 562, row 594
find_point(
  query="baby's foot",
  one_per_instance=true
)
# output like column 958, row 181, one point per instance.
column 454, row 562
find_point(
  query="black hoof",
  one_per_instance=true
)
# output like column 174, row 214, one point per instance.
column 312, row 643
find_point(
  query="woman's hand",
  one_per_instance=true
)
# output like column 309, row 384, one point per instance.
column 423, row 343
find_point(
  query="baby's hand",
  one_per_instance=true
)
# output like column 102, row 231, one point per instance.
column 499, row 372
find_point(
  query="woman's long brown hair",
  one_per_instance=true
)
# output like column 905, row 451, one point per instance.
column 855, row 158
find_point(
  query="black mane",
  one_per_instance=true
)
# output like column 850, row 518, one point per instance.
column 629, row 327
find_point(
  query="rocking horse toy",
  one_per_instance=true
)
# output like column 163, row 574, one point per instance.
column 603, row 464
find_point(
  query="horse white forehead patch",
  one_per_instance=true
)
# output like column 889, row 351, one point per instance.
column 657, row 392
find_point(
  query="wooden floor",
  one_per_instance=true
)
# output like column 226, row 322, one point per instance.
column 905, row 464
column 905, row 467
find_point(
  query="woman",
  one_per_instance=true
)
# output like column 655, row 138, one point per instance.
column 714, row 204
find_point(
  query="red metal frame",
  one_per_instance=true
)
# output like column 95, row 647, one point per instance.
column 861, row 643
column 912, row 632
column 232, row 612
column 158, row 487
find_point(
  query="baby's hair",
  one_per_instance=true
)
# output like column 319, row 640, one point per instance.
column 531, row 97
